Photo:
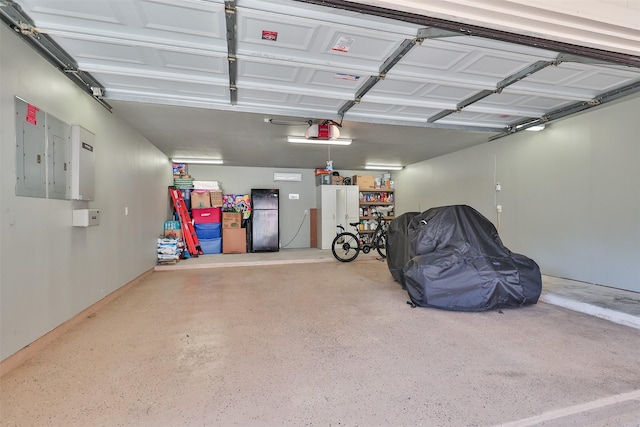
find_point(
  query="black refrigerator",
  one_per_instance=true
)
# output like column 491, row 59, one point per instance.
column 265, row 223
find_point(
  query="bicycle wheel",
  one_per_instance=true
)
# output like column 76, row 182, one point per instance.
column 345, row 247
column 381, row 244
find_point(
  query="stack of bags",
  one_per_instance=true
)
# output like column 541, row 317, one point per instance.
column 183, row 182
column 169, row 249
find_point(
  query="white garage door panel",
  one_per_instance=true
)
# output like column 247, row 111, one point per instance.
column 368, row 109
column 309, row 61
column 470, row 118
column 176, row 22
column 313, row 42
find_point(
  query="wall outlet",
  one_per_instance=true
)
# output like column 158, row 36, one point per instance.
column 306, row 211
column 498, row 186
column 499, row 208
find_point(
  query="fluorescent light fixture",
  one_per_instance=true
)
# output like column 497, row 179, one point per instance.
column 384, row 167
column 536, row 128
column 198, row 161
column 303, row 140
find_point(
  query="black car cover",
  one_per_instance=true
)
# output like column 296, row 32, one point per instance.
column 398, row 246
column 458, row 262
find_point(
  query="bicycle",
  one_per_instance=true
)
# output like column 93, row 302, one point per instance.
column 346, row 246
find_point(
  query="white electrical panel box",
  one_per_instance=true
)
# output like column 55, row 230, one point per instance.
column 85, row 217
column 82, row 163
column 58, row 158
column 31, row 171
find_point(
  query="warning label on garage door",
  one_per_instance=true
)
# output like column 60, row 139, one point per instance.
column 343, row 44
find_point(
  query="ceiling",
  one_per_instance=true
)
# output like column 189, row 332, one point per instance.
column 202, row 78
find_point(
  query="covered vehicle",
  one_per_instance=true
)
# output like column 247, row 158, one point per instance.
column 458, row 262
column 398, row 246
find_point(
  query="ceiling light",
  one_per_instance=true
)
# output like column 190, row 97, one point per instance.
column 536, row 128
column 303, row 140
column 384, row 167
column 198, row 161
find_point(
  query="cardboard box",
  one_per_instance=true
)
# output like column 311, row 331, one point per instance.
column 365, row 182
column 234, row 240
column 216, row 198
column 200, row 199
column 336, row 180
column 175, row 233
column 231, row 220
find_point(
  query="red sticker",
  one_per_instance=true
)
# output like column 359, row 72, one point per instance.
column 269, row 35
column 32, row 110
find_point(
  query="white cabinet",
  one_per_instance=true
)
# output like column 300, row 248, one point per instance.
column 337, row 206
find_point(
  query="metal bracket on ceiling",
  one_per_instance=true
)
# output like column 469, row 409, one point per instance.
column 387, row 65
column 514, row 78
column 26, row 29
column 436, row 33
column 606, row 97
column 568, row 57
column 230, row 19
column 15, row 18
column 522, row 74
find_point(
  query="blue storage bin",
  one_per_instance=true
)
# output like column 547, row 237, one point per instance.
column 211, row 246
column 208, row 230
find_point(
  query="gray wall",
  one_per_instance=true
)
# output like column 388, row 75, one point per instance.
column 570, row 194
column 49, row 270
column 240, row 180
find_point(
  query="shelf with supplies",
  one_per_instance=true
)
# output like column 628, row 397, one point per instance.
column 376, row 203
column 373, row 201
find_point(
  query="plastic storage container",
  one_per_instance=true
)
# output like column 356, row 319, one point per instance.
column 206, row 215
column 211, row 246
column 208, row 230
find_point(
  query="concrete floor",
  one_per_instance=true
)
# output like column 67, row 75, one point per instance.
column 322, row 343
column 616, row 305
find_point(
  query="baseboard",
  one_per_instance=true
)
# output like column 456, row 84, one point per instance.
column 27, row 352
